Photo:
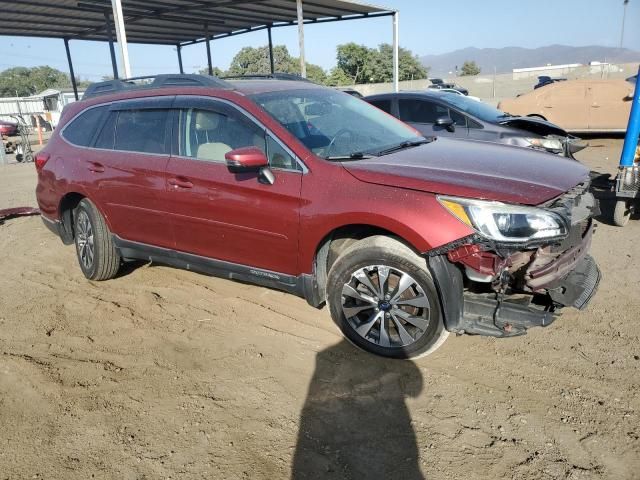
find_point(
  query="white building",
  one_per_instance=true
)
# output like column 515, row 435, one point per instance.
column 48, row 105
column 550, row 70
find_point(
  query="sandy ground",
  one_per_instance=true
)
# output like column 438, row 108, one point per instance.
column 163, row 373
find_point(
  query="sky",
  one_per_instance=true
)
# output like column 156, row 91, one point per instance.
column 426, row 27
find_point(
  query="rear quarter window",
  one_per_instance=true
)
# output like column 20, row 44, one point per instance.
column 81, row 129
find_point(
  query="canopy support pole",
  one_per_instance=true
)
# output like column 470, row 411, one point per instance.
column 271, row 61
column 633, row 129
column 209, row 63
column 71, row 73
column 112, row 50
column 303, row 64
column 179, row 50
column 396, row 66
column 121, row 35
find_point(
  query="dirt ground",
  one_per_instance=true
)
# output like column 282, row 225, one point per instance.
column 163, row 373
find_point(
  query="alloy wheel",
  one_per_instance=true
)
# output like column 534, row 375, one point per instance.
column 386, row 306
column 84, row 239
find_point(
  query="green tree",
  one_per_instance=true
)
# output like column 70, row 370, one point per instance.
column 252, row 60
column 315, row 73
column 469, row 68
column 354, row 60
column 22, row 81
column 337, row 78
column 216, row 72
column 370, row 65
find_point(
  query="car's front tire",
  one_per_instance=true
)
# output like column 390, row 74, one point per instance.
column 97, row 255
column 384, row 299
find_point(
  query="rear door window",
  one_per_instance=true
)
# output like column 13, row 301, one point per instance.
column 143, row 131
column 421, row 111
column 81, row 130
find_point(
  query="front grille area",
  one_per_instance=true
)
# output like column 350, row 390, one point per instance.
column 552, row 262
column 579, row 206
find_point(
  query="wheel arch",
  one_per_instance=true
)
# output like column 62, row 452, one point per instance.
column 66, row 206
column 341, row 237
column 68, row 203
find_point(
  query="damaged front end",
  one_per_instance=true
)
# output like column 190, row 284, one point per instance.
column 502, row 288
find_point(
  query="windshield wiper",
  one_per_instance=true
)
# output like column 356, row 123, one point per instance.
column 350, row 156
column 403, row 145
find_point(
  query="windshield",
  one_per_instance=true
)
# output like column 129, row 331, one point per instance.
column 333, row 124
column 475, row 108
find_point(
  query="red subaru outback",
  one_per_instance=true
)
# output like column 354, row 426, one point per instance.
column 312, row 191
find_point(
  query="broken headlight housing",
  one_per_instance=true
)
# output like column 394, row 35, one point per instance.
column 546, row 143
column 507, row 223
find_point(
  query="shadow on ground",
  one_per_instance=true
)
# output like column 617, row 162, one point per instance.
column 355, row 423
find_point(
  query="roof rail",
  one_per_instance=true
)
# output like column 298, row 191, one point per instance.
column 268, row 76
column 154, row 81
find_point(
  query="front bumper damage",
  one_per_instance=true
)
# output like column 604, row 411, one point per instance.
column 503, row 290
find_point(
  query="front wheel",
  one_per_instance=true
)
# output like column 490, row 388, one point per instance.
column 384, row 300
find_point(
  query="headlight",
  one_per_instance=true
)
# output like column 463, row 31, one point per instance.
column 506, row 223
column 546, row 143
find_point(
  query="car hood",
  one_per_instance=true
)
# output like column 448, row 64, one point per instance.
column 474, row 169
column 534, row 125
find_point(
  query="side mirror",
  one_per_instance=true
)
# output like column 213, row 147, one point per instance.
column 246, row 158
column 446, row 122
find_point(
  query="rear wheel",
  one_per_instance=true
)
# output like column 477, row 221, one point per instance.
column 97, row 255
column 622, row 212
column 384, row 300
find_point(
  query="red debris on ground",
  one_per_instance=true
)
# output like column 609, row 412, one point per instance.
column 8, row 213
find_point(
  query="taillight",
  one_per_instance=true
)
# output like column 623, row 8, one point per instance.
column 41, row 159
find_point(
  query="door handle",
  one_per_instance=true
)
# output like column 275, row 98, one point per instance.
column 180, row 182
column 96, row 167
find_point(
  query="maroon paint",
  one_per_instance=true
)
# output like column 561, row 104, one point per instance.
column 203, row 208
column 246, row 157
column 8, row 213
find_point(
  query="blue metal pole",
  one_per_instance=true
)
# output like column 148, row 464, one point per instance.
column 633, row 129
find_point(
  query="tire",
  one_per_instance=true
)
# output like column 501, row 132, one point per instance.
column 97, row 255
column 535, row 115
column 622, row 212
column 409, row 331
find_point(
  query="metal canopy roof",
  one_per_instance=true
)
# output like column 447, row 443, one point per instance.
column 168, row 22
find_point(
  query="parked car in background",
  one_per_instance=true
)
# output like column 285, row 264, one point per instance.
column 546, row 80
column 448, row 114
column 456, row 92
column 308, row 190
column 351, row 91
column 577, row 105
column 8, row 129
column 439, row 84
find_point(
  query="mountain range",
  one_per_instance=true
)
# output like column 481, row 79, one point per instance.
column 507, row 58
